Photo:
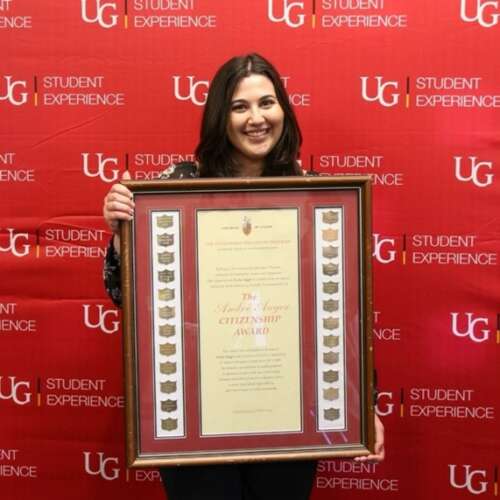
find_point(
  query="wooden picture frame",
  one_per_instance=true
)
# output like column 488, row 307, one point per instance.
column 248, row 320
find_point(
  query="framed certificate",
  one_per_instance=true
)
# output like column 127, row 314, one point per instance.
column 247, row 320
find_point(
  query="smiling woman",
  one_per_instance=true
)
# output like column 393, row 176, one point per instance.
column 248, row 129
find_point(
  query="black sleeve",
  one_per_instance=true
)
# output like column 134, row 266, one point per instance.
column 183, row 170
column 111, row 275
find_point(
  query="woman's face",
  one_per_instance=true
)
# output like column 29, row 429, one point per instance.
column 256, row 118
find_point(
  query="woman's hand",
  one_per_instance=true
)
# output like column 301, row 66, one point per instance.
column 379, row 454
column 118, row 206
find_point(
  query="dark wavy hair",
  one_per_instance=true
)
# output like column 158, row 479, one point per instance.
column 214, row 151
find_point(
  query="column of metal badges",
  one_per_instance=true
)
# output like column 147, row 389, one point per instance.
column 167, row 307
column 330, row 320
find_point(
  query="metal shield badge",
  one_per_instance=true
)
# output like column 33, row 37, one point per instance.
column 169, row 424
column 165, row 240
column 167, row 349
column 166, row 294
column 331, row 414
column 330, row 217
column 331, row 376
column 169, row 405
column 331, row 394
column 168, row 387
column 330, row 287
column 165, row 221
column 330, row 305
column 330, row 252
column 330, row 323
column 167, row 330
column 330, row 358
column 331, row 341
column 330, row 234
column 168, row 368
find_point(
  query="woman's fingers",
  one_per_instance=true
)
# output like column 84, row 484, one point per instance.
column 379, row 449
column 118, row 210
column 118, row 205
column 119, row 192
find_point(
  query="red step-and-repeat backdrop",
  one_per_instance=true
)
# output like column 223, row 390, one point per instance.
column 406, row 91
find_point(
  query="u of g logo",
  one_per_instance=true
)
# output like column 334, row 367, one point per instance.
column 480, row 15
column 390, row 255
column 470, row 330
column 99, row 17
column 287, row 13
column 381, row 88
column 20, row 251
column 384, row 409
column 101, row 315
column 14, row 394
column 101, row 470
column 10, row 96
column 197, row 90
column 101, row 165
column 468, row 478
column 475, row 166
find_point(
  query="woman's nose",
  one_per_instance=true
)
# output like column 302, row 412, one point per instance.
column 256, row 116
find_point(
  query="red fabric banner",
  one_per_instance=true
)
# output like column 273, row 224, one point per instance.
column 407, row 92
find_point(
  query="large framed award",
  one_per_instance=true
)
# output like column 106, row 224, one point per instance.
column 247, row 320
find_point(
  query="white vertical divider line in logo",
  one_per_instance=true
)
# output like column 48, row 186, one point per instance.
column 498, row 328
column 470, row 330
column 407, row 97
column 480, row 15
column 35, row 89
column 10, row 88
column 474, row 171
column 381, row 88
column 38, row 391
column 403, row 257
column 468, row 478
column 401, row 402
column 495, row 480
column 287, row 13
column 99, row 17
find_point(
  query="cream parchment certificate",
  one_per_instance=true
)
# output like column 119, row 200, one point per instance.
column 249, row 321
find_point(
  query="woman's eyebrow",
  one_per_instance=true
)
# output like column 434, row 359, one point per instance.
column 260, row 98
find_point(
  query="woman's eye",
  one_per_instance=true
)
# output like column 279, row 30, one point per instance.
column 238, row 108
column 267, row 103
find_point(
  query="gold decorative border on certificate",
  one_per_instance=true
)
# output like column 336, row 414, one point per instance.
column 167, row 320
column 329, row 294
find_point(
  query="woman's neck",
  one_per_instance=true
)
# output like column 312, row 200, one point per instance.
column 246, row 167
